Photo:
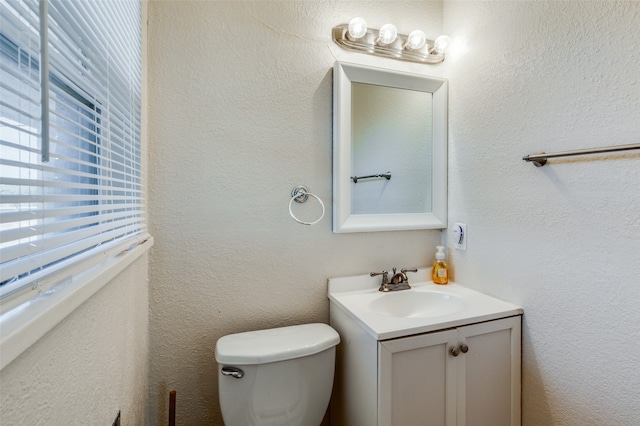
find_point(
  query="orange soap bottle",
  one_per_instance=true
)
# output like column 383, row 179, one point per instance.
column 440, row 273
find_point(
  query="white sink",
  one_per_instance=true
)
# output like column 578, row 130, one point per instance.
column 423, row 308
column 413, row 304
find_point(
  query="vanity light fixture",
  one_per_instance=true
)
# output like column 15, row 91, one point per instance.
column 387, row 42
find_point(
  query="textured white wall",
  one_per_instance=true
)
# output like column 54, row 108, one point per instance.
column 562, row 240
column 89, row 366
column 240, row 113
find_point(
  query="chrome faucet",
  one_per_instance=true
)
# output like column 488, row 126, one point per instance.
column 399, row 280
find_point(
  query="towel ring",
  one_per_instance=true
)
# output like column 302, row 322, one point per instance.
column 300, row 194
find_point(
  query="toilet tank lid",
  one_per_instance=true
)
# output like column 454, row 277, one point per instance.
column 275, row 344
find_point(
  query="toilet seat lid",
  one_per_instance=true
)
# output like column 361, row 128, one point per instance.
column 275, row 344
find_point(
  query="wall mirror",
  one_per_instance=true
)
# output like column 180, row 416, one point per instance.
column 389, row 150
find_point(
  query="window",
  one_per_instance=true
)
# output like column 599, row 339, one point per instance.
column 70, row 160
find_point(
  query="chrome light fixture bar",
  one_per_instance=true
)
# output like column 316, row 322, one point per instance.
column 376, row 42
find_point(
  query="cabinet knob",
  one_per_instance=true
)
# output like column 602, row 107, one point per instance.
column 454, row 351
column 464, row 348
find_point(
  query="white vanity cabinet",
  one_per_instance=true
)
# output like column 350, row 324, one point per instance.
column 469, row 375
column 428, row 356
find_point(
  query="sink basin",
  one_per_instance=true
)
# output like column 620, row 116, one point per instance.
column 424, row 308
column 413, row 304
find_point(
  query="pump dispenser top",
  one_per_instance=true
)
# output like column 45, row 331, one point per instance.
column 440, row 272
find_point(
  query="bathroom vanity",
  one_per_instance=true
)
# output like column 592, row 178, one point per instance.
column 431, row 355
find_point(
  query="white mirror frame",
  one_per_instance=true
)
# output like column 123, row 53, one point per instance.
column 343, row 221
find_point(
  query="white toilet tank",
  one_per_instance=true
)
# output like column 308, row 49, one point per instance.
column 276, row 377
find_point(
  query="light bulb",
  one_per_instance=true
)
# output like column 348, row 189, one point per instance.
column 416, row 40
column 357, row 28
column 441, row 45
column 387, row 34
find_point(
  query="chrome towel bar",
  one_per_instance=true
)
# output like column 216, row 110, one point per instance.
column 540, row 159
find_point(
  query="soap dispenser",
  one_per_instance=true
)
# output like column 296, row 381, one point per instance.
column 440, row 272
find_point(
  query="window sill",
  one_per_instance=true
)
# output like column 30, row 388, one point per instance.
column 24, row 325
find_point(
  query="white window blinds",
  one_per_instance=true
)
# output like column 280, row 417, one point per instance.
column 83, row 201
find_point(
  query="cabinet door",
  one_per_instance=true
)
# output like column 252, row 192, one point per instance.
column 489, row 374
column 416, row 380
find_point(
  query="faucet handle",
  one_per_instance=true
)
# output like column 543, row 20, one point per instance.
column 385, row 276
column 384, row 285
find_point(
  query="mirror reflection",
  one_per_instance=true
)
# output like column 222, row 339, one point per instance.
column 391, row 132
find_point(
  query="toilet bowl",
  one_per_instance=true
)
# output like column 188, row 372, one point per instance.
column 276, row 377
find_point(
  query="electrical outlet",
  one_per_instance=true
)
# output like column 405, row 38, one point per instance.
column 460, row 236
column 116, row 422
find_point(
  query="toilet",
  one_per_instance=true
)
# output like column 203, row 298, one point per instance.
column 276, row 377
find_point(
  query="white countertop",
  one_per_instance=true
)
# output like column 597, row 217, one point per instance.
column 354, row 296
